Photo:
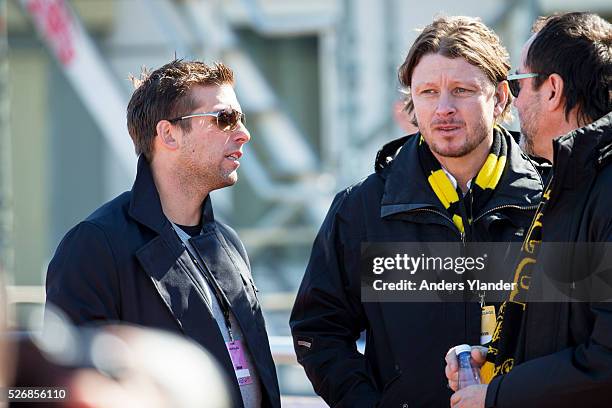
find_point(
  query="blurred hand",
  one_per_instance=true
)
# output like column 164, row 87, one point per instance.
column 470, row 397
column 479, row 355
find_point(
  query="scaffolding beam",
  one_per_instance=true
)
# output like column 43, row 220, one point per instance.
column 61, row 30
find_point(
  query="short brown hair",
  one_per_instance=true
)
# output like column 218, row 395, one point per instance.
column 578, row 47
column 454, row 37
column 166, row 93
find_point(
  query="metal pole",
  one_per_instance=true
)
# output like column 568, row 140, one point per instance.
column 6, row 198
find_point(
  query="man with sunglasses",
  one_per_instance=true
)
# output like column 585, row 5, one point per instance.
column 155, row 256
column 553, row 342
column 461, row 178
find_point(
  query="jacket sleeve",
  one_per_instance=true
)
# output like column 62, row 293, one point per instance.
column 574, row 377
column 82, row 276
column 327, row 319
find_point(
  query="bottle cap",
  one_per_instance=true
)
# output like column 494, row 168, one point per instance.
column 462, row 348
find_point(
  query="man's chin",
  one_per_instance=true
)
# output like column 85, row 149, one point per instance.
column 231, row 179
column 449, row 147
column 451, row 152
column 227, row 181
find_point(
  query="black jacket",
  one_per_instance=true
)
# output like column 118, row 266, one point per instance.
column 126, row 263
column 406, row 342
column 566, row 354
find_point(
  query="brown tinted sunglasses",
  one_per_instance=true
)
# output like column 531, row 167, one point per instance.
column 227, row 119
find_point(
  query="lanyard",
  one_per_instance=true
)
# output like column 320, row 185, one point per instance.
column 221, row 298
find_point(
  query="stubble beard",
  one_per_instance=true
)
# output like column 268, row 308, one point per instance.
column 469, row 145
column 528, row 124
column 527, row 142
column 197, row 179
column 191, row 175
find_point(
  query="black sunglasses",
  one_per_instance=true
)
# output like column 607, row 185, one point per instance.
column 227, row 119
column 515, row 85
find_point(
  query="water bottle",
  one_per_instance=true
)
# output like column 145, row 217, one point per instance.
column 468, row 375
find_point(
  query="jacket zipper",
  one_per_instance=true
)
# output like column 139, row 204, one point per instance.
column 531, row 207
column 461, row 234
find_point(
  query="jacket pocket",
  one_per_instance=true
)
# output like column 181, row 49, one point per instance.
column 391, row 395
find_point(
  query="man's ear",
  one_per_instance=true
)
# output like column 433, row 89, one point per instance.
column 500, row 98
column 553, row 96
column 166, row 134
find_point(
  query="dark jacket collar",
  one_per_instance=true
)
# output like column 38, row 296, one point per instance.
column 406, row 187
column 145, row 204
column 580, row 154
column 587, row 145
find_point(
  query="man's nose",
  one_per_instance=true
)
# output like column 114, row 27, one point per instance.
column 242, row 134
column 446, row 105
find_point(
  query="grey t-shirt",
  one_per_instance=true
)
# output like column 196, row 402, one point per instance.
column 251, row 393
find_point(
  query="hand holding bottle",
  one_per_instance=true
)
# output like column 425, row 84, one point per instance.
column 477, row 359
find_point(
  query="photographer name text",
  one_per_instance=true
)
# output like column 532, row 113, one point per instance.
column 424, row 285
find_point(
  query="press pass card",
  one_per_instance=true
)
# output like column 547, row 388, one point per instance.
column 236, row 351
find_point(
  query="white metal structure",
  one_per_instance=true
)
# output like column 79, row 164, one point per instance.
column 88, row 72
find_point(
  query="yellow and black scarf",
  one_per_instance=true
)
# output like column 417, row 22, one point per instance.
column 481, row 189
column 505, row 341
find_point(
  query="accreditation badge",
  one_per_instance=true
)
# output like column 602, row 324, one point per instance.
column 239, row 361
